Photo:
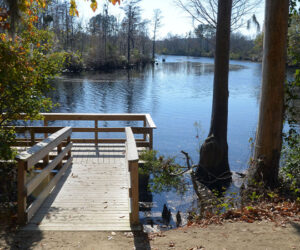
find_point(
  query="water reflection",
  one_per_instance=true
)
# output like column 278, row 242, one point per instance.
column 177, row 94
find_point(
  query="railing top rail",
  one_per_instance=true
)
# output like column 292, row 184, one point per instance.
column 35, row 129
column 53, row 129
column 40, row 150
column 150, row 122
column 131, row 149
column 92, row 116
column 97, row 116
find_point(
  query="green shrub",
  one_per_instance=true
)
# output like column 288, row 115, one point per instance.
column 73, row 62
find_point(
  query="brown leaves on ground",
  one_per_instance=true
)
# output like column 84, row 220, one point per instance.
column 152, row 236
column 197, row 248
column 171, row 244
column 279, row 213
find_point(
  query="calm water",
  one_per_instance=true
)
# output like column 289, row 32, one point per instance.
column 177, row 94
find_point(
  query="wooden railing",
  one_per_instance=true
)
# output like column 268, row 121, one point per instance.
column 146, row 130
column 132, row 159
column 27, row 161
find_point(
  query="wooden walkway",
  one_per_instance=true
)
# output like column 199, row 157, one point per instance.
column 79, row 184
column 92, row 195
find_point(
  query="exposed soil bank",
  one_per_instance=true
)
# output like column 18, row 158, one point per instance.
column 239, row 235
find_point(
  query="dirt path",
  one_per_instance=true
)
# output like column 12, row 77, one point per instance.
column 258, row 235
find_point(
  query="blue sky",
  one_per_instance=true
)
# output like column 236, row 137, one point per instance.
column 175, row 20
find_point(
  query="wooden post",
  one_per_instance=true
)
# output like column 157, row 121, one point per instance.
column 145, row 134
column 96, row 133
column 134, row 194
column 32, row 137
column 22, row 196
column 68, row 142
column 59, row 149
column 45, row 125
column 46, row 160
column 151, row 139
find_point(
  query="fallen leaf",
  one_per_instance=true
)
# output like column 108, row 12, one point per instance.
column 171, row 244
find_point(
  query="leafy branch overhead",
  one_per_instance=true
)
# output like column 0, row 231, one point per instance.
column 93, row 5
column 16, row 8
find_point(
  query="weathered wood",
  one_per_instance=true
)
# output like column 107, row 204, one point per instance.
column 68, row 142
column 151, row 140
column 139, row 142
column 41, row 198
column 134, row 179
column 89, row 116
column 36, row 129
column 59, row 150
column 99, row 141
column 45, row 125
column 143, row 144
column 96, row 133
column 144, row 134
column 46, row 160
column 27, row 160
column 131, row 149
column 32, row 137
column 46, row 171
column 41, row 130
column 149, row 121
column 92, row 195
column 40, row 150
column 99, row 184
column 22, row 197
column 132, row 157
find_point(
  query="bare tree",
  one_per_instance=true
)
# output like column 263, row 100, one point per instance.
column 156, row 25
column 132, row 13
column 206, row 11
column 105, row 27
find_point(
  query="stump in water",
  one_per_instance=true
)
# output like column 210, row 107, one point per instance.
column 213, row 169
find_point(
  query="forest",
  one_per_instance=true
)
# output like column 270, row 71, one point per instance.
column 62, row 77
column 99, row 43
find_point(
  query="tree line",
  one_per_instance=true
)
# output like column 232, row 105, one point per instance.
column 105, row 41
column 202, row 43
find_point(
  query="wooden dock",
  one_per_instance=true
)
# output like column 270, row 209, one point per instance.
column 95, row 187
column 92, row 195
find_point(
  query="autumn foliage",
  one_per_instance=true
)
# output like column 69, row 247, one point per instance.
column 27, row 63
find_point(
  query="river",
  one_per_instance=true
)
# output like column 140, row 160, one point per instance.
column 177, row 94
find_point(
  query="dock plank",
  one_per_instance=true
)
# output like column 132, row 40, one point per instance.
column 92, row 196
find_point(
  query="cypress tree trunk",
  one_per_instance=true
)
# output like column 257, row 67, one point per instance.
column 129, row 35
column 213, row 163
column 153, row 49
column 268, row 142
